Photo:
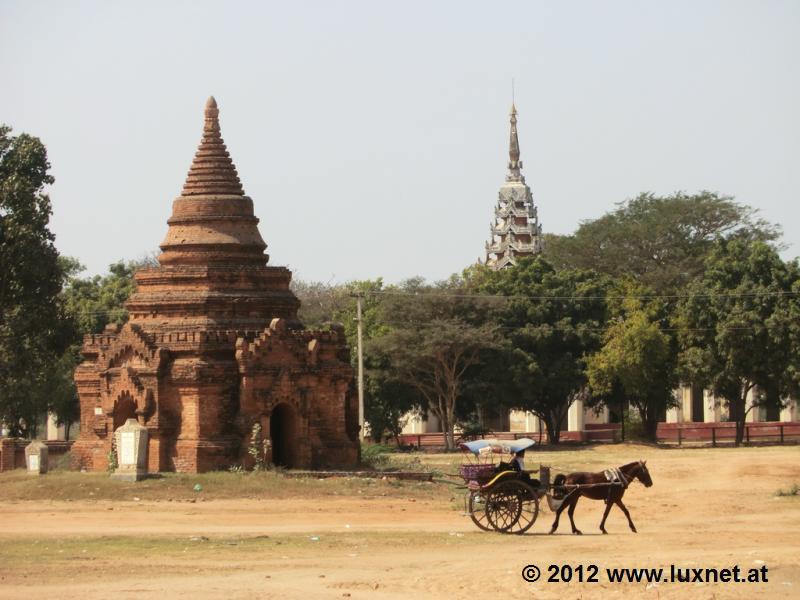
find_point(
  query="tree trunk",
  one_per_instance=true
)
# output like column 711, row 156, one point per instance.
column 739, row 432
column 650, row 428
column 738, row 411
column 553, row 429
column 447, row 429
column 649, row 421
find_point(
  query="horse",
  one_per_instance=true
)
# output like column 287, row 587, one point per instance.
column 596, row 486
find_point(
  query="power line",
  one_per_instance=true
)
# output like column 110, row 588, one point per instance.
column 604, row 297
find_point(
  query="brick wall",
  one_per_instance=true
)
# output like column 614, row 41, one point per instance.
column 12, row 452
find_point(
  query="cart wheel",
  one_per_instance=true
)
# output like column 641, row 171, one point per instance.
column 477, row 510
column 529, row 509
column 504, row 505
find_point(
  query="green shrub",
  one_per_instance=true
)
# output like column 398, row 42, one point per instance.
column 112, row 456
column 375, row 456
column 257, row 448
column 634, row 429
column 62, row 463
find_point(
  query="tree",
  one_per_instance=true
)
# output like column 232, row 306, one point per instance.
column 95, row 302
column 386, row 399
column 738, row 328
column 661, row 242
column 321, row 303
column 553, row 321
column 33, row 329
column 435, row 335
column 637, row 358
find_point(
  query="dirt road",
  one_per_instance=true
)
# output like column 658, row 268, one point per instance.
column 708, row 508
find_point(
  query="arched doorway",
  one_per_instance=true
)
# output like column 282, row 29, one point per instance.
column 282, row 433
column 124, row 409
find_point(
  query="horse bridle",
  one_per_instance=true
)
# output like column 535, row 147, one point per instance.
column 639, row 472
column 626, row 480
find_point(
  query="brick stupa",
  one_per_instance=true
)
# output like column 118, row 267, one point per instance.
column 213, row 346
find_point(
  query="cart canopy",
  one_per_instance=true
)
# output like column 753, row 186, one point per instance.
column 497, row 446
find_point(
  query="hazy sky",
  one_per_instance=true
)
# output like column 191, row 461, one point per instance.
column 373, row 136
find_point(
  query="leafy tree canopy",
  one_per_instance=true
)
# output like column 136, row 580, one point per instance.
column 738, row 327
column 553, row 321
column 436, row 339
column 99, row 300
column 637, row 358
column 33, row 328
column 662, row 242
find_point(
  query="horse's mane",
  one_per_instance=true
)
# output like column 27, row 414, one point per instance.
column 631, row 464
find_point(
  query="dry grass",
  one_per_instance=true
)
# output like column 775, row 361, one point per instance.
column 73, row 486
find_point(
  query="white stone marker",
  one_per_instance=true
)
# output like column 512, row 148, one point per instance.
column 131, row 441
column 36, row 457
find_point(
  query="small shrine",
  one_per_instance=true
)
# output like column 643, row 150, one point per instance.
column 213, row 346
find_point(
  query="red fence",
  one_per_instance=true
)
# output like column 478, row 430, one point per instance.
column 668, row 433
column 714, row 433
column 594, row 433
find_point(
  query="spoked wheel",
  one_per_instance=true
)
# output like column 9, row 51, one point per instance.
column 512, row 507
column 503, row 506
column 529, row 509
column 477, row 510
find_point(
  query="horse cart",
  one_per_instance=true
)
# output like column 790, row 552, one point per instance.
column 499, row 496
column 505, row 498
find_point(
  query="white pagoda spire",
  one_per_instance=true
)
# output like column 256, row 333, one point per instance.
column 515, row 231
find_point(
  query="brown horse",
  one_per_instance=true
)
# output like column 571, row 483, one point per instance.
column 597, row 487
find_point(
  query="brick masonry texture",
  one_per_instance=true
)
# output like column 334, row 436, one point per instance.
column 213, row 346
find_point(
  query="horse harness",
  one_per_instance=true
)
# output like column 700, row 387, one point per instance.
column 616, row 477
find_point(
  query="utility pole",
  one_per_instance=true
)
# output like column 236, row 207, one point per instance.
column 360, row 296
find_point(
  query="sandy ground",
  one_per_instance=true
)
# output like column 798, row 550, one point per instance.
column 708, row 508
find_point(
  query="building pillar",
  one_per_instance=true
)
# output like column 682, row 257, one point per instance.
column 754, row 416
column 413, row 423
column 432, row 424
column 575, row 417
column 532, row 422
column 518, row 421
column 54, row 430
column 711, row 410
column 685, row 400
column 675, row 413
column 789, row 412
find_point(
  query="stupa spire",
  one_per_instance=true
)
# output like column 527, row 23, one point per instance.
column 514, row 163
column 212, row 171
column 212, row 221
column 515, row 231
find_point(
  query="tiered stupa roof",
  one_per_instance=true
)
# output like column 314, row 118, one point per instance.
column 212, row 171
column 212, row 221
column 213, row 269
column 515, row 231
